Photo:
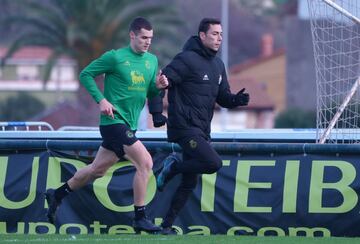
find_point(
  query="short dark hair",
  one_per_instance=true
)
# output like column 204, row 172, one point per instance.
column 205, row 23
column 139, row 23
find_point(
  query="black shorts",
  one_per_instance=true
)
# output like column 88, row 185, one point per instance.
column 116, row 136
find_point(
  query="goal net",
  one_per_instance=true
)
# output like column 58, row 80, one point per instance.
column 335, row 27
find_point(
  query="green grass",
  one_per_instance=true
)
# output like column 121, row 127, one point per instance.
column 153, row 239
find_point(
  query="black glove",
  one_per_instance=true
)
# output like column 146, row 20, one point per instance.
column 159, row 119
column 241, row 98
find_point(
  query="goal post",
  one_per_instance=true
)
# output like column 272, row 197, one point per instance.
column 335, row 28
column 342, row 10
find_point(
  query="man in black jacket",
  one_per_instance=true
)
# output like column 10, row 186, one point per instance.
column 197, row 80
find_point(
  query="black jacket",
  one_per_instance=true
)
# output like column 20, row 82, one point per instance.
column 197, row 80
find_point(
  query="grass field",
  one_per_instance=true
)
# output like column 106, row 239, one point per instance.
column 153, row 239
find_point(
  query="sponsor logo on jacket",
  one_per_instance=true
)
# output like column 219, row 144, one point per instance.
column 206, row 77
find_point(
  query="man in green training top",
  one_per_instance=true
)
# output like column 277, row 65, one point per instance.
column 130, row 77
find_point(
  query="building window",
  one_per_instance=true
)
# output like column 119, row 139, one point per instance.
column 27, row 72
column 63, row 73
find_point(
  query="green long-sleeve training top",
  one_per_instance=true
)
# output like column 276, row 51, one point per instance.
column 129, row 79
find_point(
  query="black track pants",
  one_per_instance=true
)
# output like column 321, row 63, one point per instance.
column 198, row 156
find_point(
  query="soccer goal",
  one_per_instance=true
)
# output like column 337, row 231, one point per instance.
column 335, row 27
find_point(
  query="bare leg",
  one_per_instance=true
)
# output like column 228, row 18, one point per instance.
column 142, row 161
column 103, row 161
column 141, row 158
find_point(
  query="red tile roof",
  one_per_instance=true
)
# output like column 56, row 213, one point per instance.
column 30, row 52
column 64, row 113
column 255, row 61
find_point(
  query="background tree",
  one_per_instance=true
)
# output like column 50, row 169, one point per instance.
column 296, row 118
column 84, row 29
column 20, row 108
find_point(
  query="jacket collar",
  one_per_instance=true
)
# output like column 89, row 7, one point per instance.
column 195, row 44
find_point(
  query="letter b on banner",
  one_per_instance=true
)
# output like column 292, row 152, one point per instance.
column 318, row 185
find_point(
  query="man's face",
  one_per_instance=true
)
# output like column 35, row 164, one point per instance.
column 141, row 42
column 212, row 38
